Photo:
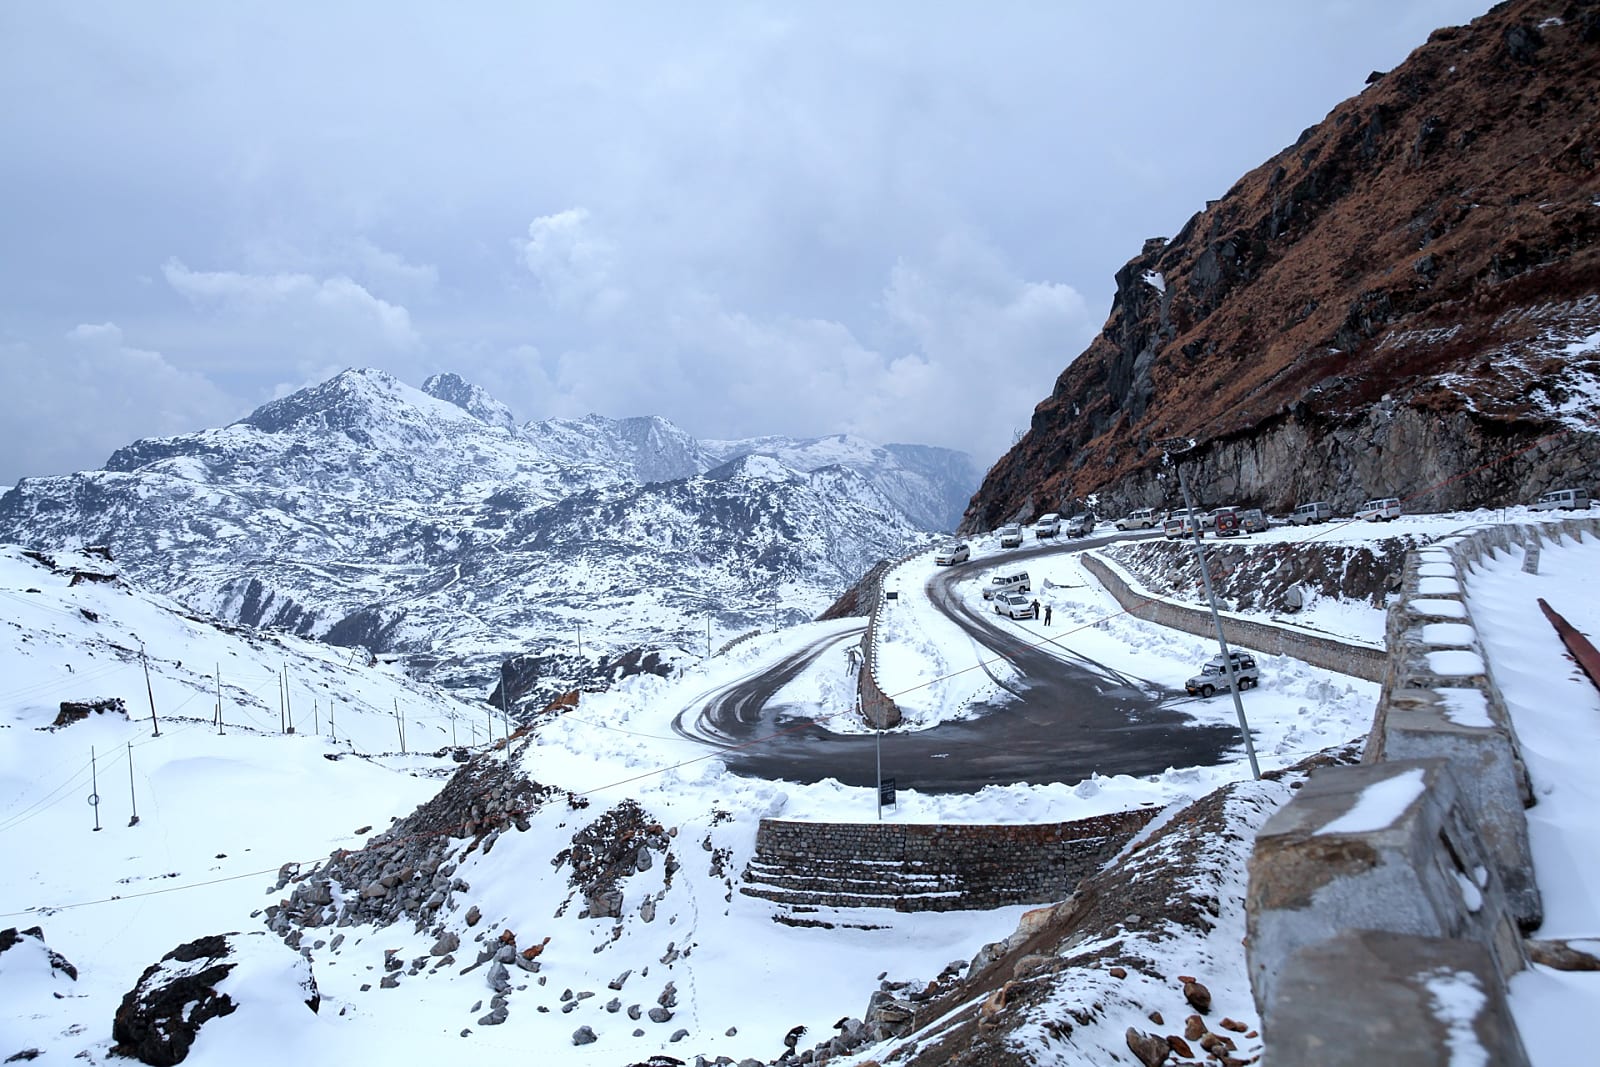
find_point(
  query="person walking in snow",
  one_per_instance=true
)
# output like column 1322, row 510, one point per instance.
column 1036, row 609
column 1047, row 614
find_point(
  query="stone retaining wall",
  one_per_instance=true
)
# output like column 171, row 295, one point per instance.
column 1326, row 652
column 1456, row 871
column 931, row 867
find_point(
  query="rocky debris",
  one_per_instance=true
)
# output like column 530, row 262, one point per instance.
column 159, row 1018
column 77, row 710
column 1379, row 308
column 583, row 1036
column 13, row 938
column 1198, row 996
column 1270, row 577
column 1151, row 1050
column 608, row 850
column 1557, row 954
column 406, row 872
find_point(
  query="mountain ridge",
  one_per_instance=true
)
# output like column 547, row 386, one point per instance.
column 1402, row 303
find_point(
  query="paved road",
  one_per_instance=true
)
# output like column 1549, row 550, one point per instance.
column 1060, row 721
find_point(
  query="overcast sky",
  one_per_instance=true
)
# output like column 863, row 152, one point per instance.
column 893, row 219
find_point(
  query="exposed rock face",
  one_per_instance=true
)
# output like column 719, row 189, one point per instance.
column 162, row 1014
column 1408, row 294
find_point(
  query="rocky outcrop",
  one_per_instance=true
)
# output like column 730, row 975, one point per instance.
column 1405, row 296
column 162, row 1014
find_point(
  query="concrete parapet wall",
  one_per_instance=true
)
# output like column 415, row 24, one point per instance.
column 1413, row 998
column 1453, row 871
column 1326, row 652
column 931, row 867
column 1387, row 846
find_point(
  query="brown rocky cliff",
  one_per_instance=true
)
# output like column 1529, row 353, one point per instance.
column 1394, row 305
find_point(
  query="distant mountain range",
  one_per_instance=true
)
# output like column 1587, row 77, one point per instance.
column 363, row 511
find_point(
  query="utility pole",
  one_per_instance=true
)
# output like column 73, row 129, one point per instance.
column 281, row 723
column 133, row 801
column 94, row 789
column 219, row 700
column 580, row 638
column 151, row 693
column 1172, row 448
column 400, row 724
column 288, row 701
column 708, row 635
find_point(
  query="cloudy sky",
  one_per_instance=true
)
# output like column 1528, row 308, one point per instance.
column 898, row 219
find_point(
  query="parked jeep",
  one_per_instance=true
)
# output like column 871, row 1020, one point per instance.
column 1047, row 526
column 1214, row 676
column 1313, row 512
column 1011, row 535
column 1142, row 519
column 1252, row 520
column 1081, row 525
column 1182, row 523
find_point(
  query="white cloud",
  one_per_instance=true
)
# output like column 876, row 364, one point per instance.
column 335, row 311
column 960, row 350
column 572, row 261
column 89, row 394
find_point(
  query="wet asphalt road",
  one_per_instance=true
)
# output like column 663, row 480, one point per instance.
column 1060, row 721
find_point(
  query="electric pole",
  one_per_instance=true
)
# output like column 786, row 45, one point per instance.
column 1171, row 448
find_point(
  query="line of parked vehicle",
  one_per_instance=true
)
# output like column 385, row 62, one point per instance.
column 1230, row 522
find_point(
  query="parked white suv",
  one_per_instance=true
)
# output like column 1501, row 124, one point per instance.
column 954, row 553
column 1011, row 535
column 1047, row 526
column 1142, row 519
column 1315, row 511
column 1001, row 584
column 1384, row 509
column 1214, row 675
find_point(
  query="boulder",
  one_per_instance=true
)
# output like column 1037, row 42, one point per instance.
column 160, row 1017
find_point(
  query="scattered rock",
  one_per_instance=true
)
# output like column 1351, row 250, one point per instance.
column 1151, row 1050
column 1194, row 1028
column 1180, row 1046
column 1198, row 996
column 1234, row 1024
column 1118, row 972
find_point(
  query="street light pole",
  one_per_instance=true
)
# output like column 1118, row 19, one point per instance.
column 1170, row 449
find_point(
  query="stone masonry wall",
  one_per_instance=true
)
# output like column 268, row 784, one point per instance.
column 931, row 867
column 1326, row 652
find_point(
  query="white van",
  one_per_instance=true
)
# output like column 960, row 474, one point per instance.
column 1007, row 583
column 1563, row 500
column 1381, row 509
column 1315, row 511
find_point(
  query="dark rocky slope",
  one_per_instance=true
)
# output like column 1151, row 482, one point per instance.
column 1400, row 303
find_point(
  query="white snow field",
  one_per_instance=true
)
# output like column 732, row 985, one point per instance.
column 219, row 814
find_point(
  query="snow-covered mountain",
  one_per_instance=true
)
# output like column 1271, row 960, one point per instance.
column 365, row 511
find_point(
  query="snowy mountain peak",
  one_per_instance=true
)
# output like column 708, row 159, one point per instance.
column 354, row 402
column 470, row 398
column 756, row 467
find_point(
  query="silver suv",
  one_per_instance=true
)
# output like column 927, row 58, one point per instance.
column 1214, row 676
column 1011, row 535
column 951, row 554
column 1142, row 519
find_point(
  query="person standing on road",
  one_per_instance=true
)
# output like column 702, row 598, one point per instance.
column 1047, row 614
column 1036, row 609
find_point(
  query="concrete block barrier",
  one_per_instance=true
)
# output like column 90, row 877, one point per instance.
column 1420, row 1001
column 1387, row 846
